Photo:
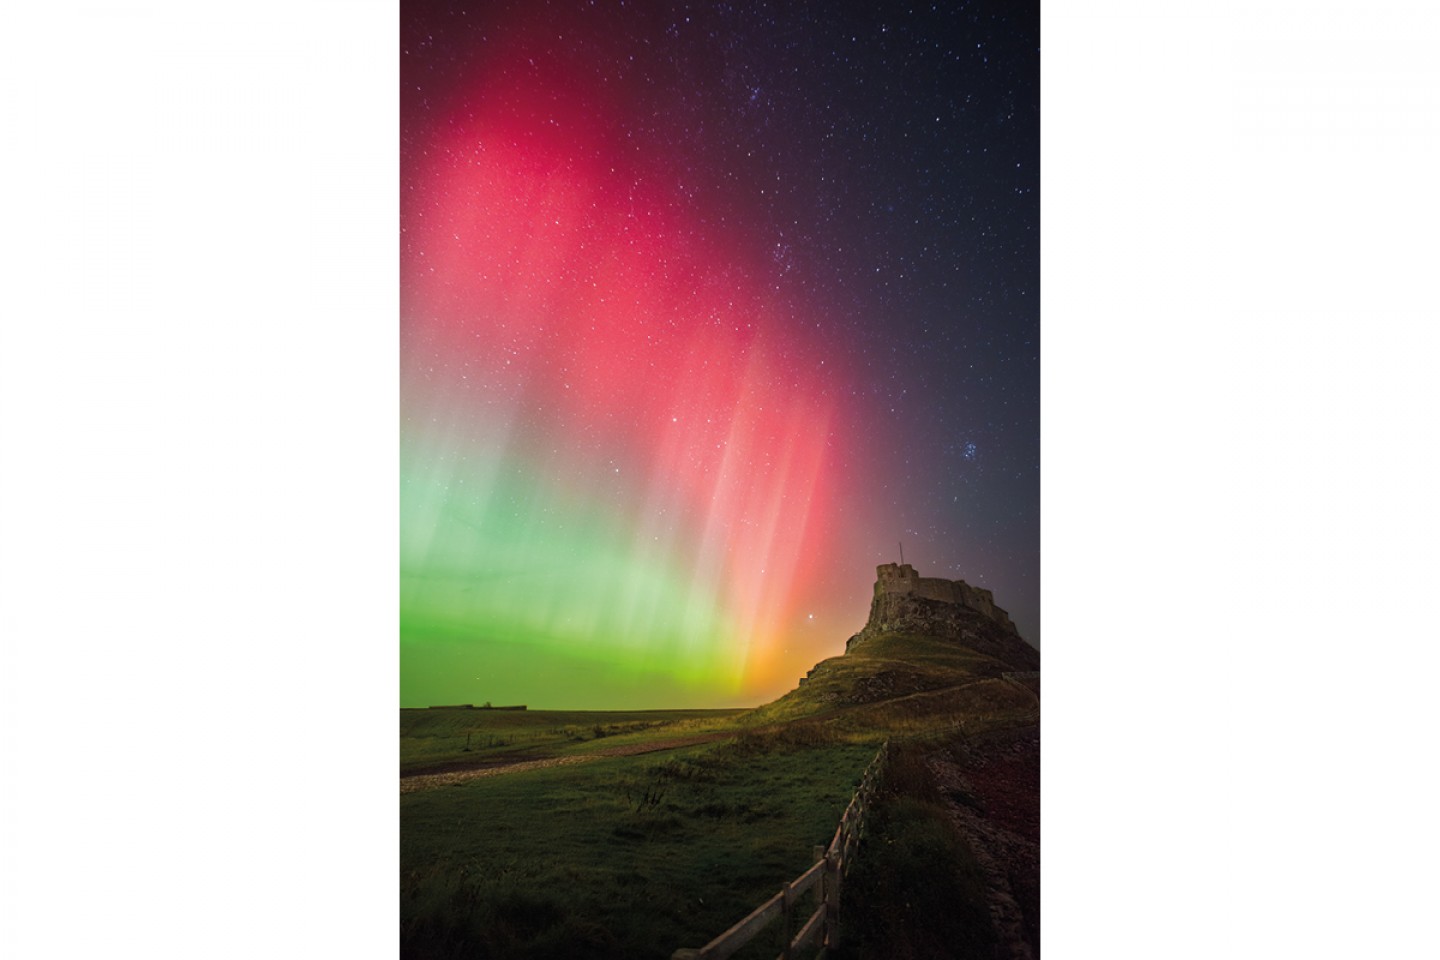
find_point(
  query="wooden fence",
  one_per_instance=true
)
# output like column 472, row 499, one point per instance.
column 831, row 865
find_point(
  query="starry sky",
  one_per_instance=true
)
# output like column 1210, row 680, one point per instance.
column 706, row 308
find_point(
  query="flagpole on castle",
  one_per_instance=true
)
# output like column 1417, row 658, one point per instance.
column 902, row 553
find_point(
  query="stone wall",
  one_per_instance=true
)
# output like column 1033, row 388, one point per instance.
column 895, row 580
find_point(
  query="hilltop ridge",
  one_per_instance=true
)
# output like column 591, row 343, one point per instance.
column 907, row 603
column 930, row 648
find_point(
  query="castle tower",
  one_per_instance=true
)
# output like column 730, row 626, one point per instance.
column 891, row 578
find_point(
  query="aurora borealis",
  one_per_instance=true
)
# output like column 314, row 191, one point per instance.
column 704, row 308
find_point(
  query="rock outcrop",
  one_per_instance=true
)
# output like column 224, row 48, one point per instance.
column 906, row 603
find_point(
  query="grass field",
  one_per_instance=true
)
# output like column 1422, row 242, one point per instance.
column 622, row 857
column 634, row 856
column 430, row 738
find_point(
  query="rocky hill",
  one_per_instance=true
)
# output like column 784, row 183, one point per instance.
column 970, row 619
column 931, row 648
column 941, row 672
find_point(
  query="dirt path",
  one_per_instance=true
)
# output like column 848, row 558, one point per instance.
column 429, row 781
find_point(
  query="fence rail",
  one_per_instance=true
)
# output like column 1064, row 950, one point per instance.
column 831, row 865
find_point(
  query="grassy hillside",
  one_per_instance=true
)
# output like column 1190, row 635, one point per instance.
column 897, row 684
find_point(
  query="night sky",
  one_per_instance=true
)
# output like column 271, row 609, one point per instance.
column 704, row 308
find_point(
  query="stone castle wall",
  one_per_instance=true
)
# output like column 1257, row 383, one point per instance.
column 906, row 603
column 896, row 580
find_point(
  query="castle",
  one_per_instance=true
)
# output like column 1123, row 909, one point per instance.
column 894, row 580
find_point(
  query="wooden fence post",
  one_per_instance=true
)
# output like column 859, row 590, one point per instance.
column 785, row 923
column 832, row 896
column 822, row 893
